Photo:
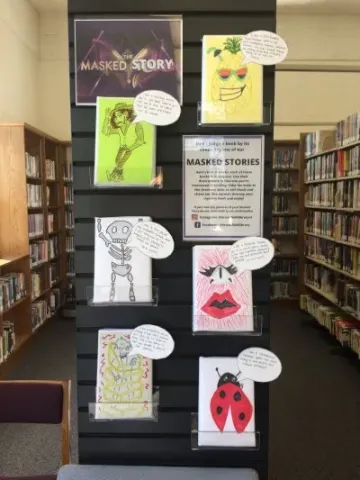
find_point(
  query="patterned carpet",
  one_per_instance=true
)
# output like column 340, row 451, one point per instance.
column 314, row 414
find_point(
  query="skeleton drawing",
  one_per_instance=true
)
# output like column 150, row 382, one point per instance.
column 119, row 232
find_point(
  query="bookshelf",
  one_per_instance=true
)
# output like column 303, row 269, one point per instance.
column 32, row 234
column 330, row 263
column 69, row 302
column 285, row 214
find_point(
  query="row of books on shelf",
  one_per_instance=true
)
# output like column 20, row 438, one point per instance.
column 70, row 266
column 7, row 340
column 282, row 225
column 34, row 195
column 341, row 257
column 41, row 310
column 12, row 289
column 340, row 226
column 343, row 328
column 50, row 169
column 280, row 290
column 338, row 164
column 68, row 195
column 340, row 291
column 284, row 158
column 281, row 204
column 348, row 130
column 342, row 194
column 32, row 166
column 43, row 250
column 283, row 182
column 68, row 170
column 54, row 275
column 69, row 219
column 284, row 267
column 69, row 243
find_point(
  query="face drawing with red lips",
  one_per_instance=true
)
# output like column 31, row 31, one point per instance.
column 223, row 293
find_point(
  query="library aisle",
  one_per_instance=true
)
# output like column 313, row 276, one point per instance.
column 314, row 404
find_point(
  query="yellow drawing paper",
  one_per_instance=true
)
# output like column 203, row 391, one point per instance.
column 232, row 92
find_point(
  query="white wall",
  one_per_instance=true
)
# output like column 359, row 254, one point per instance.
column 54, row 75
column 309, row 100
column 19, row 53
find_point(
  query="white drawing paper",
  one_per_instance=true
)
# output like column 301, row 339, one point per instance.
column 124, row 382
column 121, row 273
column 222, row 293
column 226, row 415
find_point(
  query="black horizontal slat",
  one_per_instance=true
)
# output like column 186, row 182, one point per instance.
column 194, row 28
column 179, row 290
column 79, row 7
column 84, row 236
column 168, row 316
column 169, row 150
column 186, row 344
column 174, row 396
column 111, row 205
column 169, row 370
column 83, row 121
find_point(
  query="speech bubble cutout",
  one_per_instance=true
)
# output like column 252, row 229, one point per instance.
column 251, row 253
column 259, row 365
column 152, row 239
column 156, row 107
column 264, row 48
column 151, row 342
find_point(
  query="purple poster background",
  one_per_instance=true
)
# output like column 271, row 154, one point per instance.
column 123, row 57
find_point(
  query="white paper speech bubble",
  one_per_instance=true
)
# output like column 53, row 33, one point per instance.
column 251, row 253
column 156, row 107
column 151, row 342
column 152, row 239
column 259, row 364
column 264, row 48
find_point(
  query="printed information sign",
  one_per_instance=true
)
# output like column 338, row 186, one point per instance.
column 223, row 183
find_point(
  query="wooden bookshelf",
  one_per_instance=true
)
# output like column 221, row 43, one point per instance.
column 25, row 192
column 285, row 228
column 330, row 262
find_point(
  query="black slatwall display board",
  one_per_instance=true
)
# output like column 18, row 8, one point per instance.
column 166, row 442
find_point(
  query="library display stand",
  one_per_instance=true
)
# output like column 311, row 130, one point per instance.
column 330, row 265
column 32, row 235
column 168, row 441
column 285, row 221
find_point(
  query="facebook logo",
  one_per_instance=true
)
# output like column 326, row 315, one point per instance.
column 197, row 224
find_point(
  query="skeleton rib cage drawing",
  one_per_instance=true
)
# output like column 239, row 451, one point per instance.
column 116, row 261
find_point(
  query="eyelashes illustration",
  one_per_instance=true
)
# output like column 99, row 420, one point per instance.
column 220, row 273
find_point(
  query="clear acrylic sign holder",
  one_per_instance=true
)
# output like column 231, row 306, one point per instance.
column 218, row 111
column 108, row 296
column 248, row 441
column 155, row 182
column 256, row 331
column 120, row 411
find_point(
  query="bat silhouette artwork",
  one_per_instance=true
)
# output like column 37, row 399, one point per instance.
column 229, row 396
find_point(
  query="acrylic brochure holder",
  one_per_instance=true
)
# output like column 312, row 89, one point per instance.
column 256, row 319
column 125, row 411
column 249, row 441
column 219, row 113
column 108, row 296
column 155, row 182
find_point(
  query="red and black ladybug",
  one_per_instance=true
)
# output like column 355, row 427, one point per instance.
column 230, row 395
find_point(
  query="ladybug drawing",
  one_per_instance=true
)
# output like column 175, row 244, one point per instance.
column 229, row 395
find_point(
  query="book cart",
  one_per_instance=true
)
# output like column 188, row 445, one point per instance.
column 166, row 441
column 330, row 264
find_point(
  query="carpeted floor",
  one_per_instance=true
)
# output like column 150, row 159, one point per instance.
column 314, row 409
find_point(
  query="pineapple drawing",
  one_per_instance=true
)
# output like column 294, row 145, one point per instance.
column 231, row 83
